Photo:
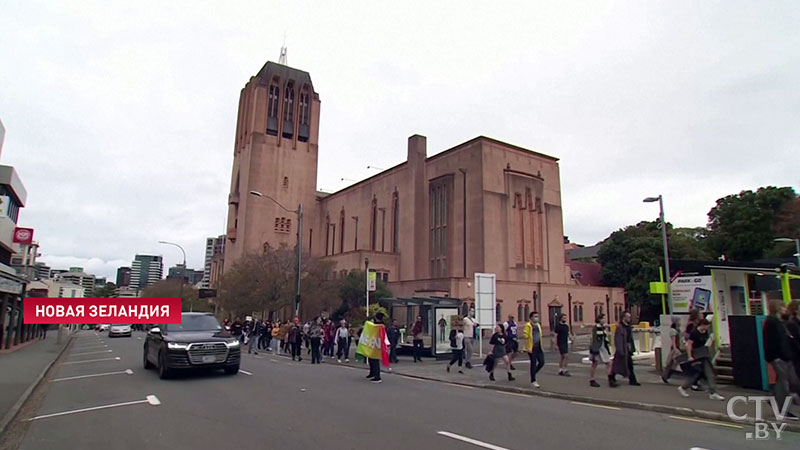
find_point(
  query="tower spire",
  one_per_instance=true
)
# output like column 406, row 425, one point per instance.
column 283, row 59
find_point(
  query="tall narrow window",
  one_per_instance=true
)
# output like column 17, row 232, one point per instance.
column 374, row 225
column 288, row 111
column 395, row 221
column 302, row 132
column 341, row 231
column 439, row 195
column 272, row 109
column 327, row 234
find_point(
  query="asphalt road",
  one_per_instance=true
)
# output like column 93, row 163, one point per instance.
column 274, row 403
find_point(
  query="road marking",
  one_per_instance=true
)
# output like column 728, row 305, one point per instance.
column 709, row 422
column 595, row 406
column 151, row 399
column 245, row 372
column 470, row 440
column 92, row 360
column 127, row 371
column 91, row 353
column 139, row 338
column 515, row 394
column 273, row 360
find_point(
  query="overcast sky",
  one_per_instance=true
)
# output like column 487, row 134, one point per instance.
column 120, row 116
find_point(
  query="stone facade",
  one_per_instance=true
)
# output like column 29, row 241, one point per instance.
column 426, row 225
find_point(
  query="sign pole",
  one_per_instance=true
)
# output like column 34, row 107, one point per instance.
column 663, row 299
column 366, row 282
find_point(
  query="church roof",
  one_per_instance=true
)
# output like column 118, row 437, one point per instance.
column 272, row 69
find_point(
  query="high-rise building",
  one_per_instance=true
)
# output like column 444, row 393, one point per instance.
column 42, row 271
column 146, row 270
column 123, row 276
column 76, row 275
column 214, row 246
column 190, row 276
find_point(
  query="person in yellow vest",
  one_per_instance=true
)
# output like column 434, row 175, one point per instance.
column 533, row 345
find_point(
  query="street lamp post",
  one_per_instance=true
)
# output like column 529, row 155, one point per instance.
column 191, row 306
column 660, row 200
column 796, row 247
column 299, row 212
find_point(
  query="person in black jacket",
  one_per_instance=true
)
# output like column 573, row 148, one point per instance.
column 777, row 353
column 393, row 334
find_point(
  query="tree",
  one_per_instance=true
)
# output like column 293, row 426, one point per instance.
column 171, row 287
column 105, row 291
column 266, row 282
column 742, row 226
column 631, row 257
column 352, row 293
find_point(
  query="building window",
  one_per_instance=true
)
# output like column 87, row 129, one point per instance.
column 285, row 182
column 283, row 225
column 439, row 232
column 272, row 109
column 580, row 312
column 520, row 312
column 327, row 234
column 527, row 312
column 288, row 111
column 395, row 221
column 302, row 134
column 341, row 231
column 374, row 225
column 498, row 313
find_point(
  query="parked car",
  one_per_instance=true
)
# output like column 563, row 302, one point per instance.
column 104, row 327
column 198, row 342
column 120, row 330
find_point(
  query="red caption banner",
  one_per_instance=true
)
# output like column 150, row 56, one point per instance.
column 101, row 310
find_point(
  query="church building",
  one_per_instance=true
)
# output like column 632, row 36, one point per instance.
column 426, row 225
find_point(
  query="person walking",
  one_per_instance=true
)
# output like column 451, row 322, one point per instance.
column 675, row 349
column 236, row 330
column 793, row 331
column 442, row 327
column 393, row 334
column 251, row 336
column 457, row 345
column 295, row 339
column 315, row 338
column 470, row 327
column 512, row 340
column 700, row 361
column 43, row 328
column 562, row 341
column 598, row 349
column 694, row 318
column 343, row 342
column 499, row 351
column 533, row 345
column 306, row 339
column 623, row 353
column 778, row 354
column 275, row 343
column 416, row 334
column 327, row 338
column 375, row 363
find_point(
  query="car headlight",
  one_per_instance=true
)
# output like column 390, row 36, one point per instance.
column 177, row 346
column 233, row 344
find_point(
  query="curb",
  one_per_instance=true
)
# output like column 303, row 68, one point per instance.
column 674, row 410
column 9, row 416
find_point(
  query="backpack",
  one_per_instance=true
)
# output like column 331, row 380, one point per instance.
column 453, row 339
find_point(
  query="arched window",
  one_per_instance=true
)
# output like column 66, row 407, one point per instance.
column 272, row 109
column 303, row 130
column 520, row 312
column 527, row 312
column 580, row 313
column 498, row 313
column 341, row 231
column 288, row 111
column 395, row 221
column 374, row 224
column 327, row 234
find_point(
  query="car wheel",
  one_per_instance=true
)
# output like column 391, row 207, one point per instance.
column 232, row 370
column 147, row 364
column 163, row 370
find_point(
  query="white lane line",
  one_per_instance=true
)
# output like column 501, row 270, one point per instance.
column 151, row 399
column 470, row 440
column 245, row 372
column 595, row 406
column 91, row 353
column 139, row 338
column 709, row 422
column 87, row 346
column 127, row 372
column 92, row 360
column 273, row 360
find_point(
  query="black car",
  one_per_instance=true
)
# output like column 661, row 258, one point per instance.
column 198, row 342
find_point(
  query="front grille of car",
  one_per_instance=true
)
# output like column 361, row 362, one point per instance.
column 178, row 360
column 199, row 352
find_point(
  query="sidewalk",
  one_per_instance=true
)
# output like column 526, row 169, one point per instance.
column 21, row 370
column 652, row 395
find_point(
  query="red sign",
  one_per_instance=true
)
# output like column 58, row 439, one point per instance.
column 101, row 310
column 23, row 235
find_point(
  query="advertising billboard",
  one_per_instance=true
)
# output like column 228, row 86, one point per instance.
column 692, row 292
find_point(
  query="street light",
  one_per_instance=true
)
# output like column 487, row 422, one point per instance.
column 376, row 168
column 796, row 246
column 663, row 224
column 299, row 212
column 191, row 306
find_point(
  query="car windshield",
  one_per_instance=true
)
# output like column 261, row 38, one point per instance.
column 196, row 323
